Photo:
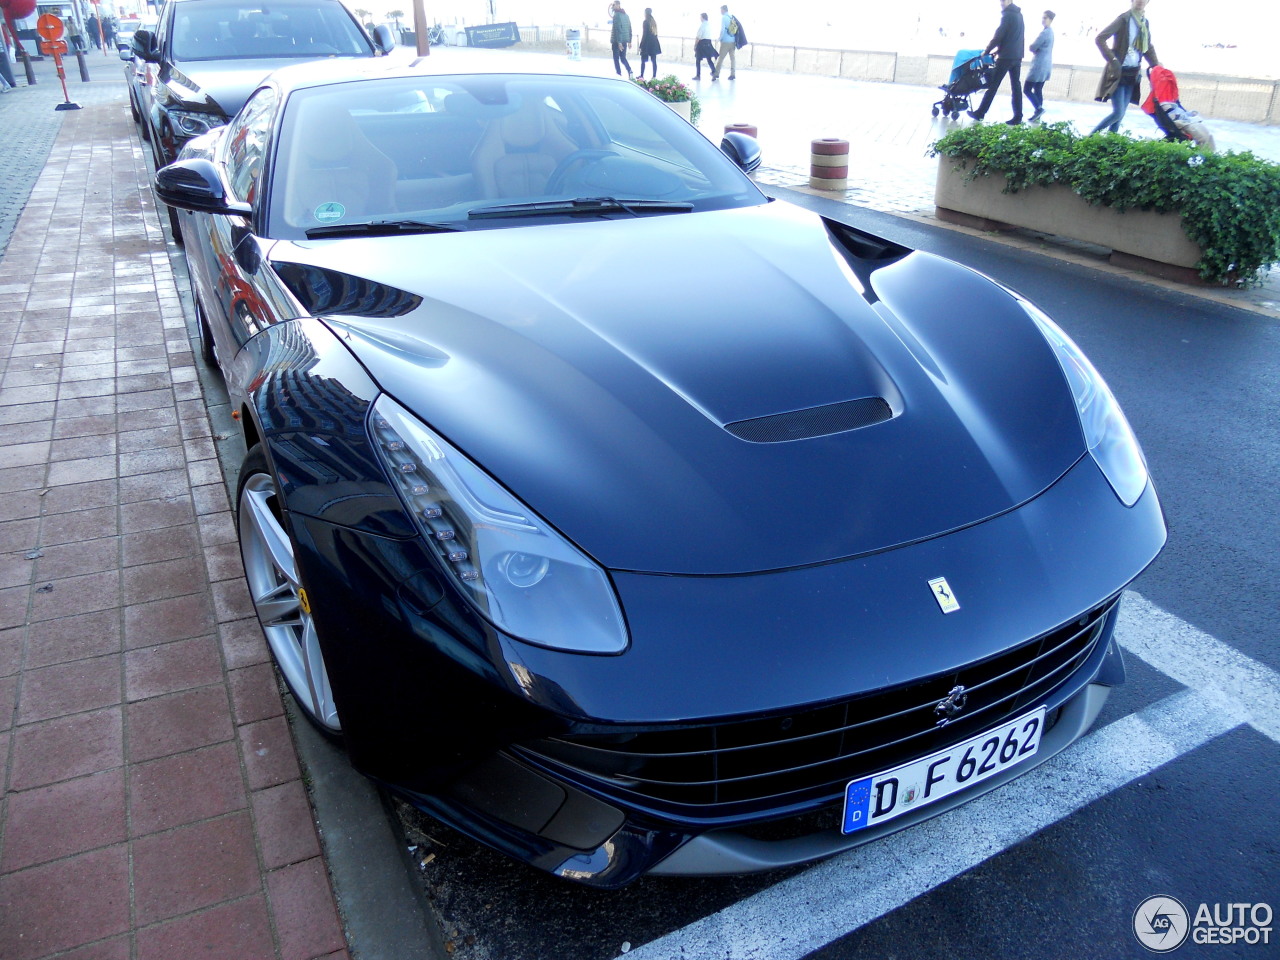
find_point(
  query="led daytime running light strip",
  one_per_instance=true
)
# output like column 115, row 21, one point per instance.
column 411, row 476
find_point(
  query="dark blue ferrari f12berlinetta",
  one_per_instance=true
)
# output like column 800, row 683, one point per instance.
column 817, row 538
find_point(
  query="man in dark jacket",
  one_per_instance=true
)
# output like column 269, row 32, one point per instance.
column 1009, row 45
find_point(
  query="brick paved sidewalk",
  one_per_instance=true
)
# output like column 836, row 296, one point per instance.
column 153, row 806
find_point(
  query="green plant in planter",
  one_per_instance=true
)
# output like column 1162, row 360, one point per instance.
column 670, row 90
column 1229, row 202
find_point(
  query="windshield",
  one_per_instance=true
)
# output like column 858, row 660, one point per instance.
column 480, row 152
column 282, row 29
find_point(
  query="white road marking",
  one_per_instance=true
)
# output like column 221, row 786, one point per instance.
column 797, row 916
column 1234, row 683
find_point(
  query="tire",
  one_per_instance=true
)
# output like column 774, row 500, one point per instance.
column 208, row 352
column 175, row 228
column 935, row 111
column 133, row 110
column 267, row 549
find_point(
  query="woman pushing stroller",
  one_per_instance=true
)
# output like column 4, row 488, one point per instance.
column 1130, row 43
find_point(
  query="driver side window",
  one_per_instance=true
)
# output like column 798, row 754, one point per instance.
column 247, row 144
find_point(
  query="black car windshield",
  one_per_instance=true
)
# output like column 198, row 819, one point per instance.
column 281, row 29
column 437, row 148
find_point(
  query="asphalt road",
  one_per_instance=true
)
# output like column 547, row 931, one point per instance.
column 1175, row 795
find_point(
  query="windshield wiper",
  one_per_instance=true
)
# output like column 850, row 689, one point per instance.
column 381, row 228
column 579, row 205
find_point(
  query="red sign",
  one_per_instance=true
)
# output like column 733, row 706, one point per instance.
column 49, row 27
column 53, row 46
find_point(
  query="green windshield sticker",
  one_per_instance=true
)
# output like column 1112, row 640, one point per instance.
column 330, row 212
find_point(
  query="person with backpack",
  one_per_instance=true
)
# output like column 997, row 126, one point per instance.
column 730, row 29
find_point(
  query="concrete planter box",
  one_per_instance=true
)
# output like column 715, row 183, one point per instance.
column 683, row 107
column 1139, row 239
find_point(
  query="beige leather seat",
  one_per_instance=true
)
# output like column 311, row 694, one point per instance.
column 517, row 154
column 335, row 174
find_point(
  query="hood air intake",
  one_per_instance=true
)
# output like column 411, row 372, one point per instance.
column 813, row 422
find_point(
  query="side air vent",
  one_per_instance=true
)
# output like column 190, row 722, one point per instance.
column 814, row 422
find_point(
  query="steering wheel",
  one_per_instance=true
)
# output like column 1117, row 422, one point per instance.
column 556, row 182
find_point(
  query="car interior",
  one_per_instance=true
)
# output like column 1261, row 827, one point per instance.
column 441, row 150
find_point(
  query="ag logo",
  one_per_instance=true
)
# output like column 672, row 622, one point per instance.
column 1161, row 924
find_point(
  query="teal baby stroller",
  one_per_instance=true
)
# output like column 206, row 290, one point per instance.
column 970, row 72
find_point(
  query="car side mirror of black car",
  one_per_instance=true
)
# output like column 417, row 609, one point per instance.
column 197, row 185
column 742, row 149
column 125, row 55
column 143, row 44
column 383, row 39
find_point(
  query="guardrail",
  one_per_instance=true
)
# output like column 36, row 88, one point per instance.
column 1212, row 95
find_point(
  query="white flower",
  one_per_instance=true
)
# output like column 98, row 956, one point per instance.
column 1037, row 154
column 1195, row 161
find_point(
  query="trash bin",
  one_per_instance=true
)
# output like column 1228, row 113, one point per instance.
column 573, row 40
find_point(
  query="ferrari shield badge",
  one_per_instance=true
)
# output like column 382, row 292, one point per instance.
column 945, row 596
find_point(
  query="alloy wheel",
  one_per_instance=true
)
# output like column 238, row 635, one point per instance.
column 281, row 602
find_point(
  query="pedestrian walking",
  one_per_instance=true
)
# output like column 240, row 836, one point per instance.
column 704, row 49
column 649, row 45
column 1009, row 45
column 620, row 39
column 73, row 34
column 1041, row 66
column 728, row 44
column 1130, row 43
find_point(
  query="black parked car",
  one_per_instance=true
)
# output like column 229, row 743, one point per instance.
column 622, row 518
column 211, row 54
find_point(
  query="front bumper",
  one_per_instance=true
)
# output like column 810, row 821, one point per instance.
column 408, row 663
column 526, row 812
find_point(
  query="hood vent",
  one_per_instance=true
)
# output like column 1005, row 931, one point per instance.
column 813, row 422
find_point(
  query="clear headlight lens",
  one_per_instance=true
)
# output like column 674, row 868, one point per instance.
column 192, row 123
column 1107, row 433
column 522, row 575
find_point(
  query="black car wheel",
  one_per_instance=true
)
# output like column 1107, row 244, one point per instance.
column 278, row 597
column 208, row 351
column 175, row 228
column 133, row 110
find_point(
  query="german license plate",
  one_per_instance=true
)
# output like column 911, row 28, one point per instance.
column 882, row 797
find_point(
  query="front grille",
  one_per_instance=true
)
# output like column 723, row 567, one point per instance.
column 733, row 767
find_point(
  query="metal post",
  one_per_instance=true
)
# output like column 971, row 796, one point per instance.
column 420, row 28
column 26, row 65
column 84, row 67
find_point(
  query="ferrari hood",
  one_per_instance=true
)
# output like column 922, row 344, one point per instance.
column 714, row 392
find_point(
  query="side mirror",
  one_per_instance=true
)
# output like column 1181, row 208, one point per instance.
column 383, row 39
column 143, row 45
column 126, row 55
column 742, row 150
column 196, row 185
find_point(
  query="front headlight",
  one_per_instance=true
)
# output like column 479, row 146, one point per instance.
column 192, row 123
column 522, row 575
column 1107, row 433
